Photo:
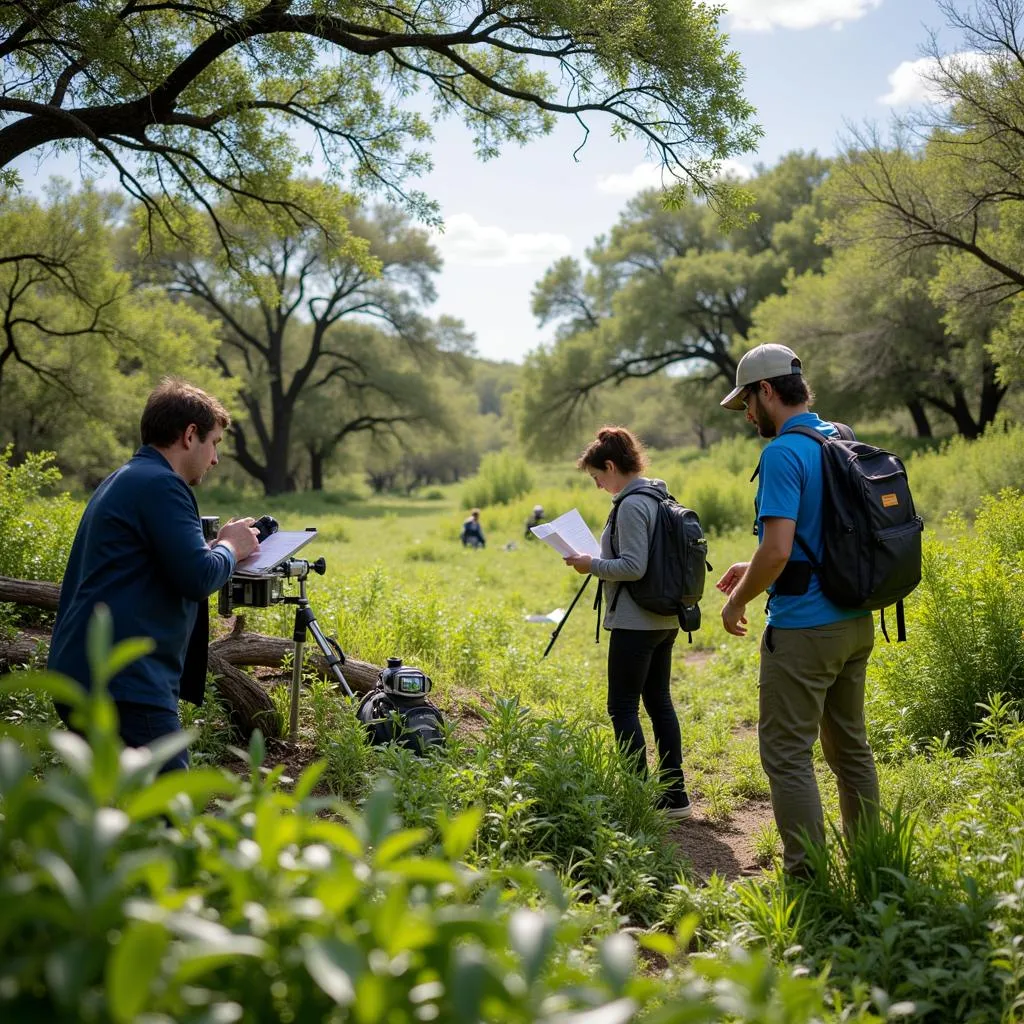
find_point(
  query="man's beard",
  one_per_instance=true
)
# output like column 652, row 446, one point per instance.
column 764, row 423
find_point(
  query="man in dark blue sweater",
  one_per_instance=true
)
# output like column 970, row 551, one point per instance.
column 140, row 551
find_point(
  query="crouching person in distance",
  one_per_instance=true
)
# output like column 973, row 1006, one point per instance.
column 814, row 654
column 640, row 646
column 140, row 551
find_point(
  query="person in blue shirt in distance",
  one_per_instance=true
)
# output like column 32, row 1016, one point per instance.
column 814, row 654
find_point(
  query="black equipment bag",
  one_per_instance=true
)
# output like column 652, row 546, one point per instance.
column 871, row 533
column 677, row 562
column 415, row 723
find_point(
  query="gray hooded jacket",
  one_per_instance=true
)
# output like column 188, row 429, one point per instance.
column 634, row 529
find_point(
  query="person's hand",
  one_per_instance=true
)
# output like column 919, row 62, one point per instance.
column 727, row 584
column 581, row 563
column 734, row 618
column 239, row 535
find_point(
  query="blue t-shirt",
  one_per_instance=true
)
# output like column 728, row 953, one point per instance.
column 789, row 486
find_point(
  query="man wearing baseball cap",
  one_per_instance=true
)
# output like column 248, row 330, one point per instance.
column 814, row 654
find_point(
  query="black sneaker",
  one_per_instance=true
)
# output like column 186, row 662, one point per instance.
column 676, row 806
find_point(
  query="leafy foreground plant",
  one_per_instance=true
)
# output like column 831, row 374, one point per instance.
column 120, row 900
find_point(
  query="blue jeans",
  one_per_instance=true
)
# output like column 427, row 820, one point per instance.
column 140, row 724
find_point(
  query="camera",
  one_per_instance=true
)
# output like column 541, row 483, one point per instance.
column 264, row 527
column 404, row 681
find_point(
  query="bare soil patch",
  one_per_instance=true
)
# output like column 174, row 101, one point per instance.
column 726, row 847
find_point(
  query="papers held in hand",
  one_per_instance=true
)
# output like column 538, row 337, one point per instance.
column 568, row 535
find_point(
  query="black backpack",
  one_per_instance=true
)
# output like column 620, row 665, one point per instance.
column 677, row 562
column 871, row 533
column 415, row 723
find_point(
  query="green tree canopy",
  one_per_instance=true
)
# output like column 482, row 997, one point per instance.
column 950, row 180
column 281, row 286
column 83, row 340
column 667, row 286
column 194, row 99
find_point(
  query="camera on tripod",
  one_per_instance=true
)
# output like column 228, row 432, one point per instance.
column 397, row 709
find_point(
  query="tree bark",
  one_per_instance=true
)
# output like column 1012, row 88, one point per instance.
column 249, row 704
column 920, row 417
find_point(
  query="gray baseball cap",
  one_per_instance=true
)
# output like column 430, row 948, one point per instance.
column 761, row 363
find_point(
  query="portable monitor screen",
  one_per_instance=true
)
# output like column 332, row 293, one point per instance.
column 410, row 683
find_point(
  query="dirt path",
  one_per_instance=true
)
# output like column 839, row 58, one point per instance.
column 723, row 846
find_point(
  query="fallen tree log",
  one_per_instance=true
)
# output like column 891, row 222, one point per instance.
column 249, row 704
column 35, row 593
column 242, row 648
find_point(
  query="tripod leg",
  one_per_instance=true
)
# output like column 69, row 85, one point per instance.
column 298, row 647
column 333, row 660
column 303, row 618
column 565, row 617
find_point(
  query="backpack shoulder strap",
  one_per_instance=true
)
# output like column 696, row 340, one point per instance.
column 806, row 432
column 844, row 431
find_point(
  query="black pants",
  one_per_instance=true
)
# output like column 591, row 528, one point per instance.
column 639, row 667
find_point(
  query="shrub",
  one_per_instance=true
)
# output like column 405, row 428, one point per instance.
column 35, row 532
column 966, row 630
column 722, row 505
column 955, row 478
column 501, row 479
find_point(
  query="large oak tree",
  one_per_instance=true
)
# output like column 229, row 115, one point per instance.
column 289, row 292
column 666, row 287
column 194, row 99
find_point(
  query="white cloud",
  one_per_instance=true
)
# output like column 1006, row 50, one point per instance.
column 467, row 242
column 643, row 176
column 651, row 175
column 764, row 15
column 910, row 83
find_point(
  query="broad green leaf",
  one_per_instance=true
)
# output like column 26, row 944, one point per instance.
column 125, row 653
column 397, row 844
column 200, row 785
column 14, row 765
column 164, row 748
column 620, row 1012
column 460, row 832
column 308, row 780
column 658, row 942
column 257, row 749
column 55, row 686
column 197, row 959
column 99, row 638
column 618, row 958
column 132, row 967
column 429, row 871
column 337, row 835
column 75, row 751
column 336, row 967
column 531, row 934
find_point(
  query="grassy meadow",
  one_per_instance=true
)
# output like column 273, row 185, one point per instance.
column 922, row 919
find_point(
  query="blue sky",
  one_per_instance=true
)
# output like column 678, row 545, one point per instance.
column 812, row 66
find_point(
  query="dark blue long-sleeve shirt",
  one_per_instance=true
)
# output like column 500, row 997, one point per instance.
column 139, row 550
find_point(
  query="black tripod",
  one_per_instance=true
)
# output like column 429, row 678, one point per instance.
column 305, row 621
column 568, row 612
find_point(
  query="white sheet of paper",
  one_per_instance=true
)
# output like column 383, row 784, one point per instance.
column 277, row 547
column 568, row 535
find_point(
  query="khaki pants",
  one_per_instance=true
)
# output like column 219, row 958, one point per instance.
column 811, row 685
